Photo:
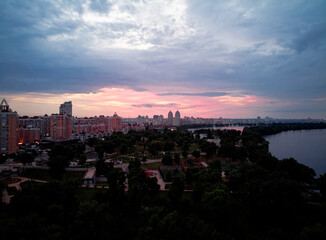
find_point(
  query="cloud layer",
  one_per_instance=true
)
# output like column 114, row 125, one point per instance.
column 271, row 50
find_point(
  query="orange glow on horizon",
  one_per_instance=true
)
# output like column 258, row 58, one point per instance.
column 130, row 103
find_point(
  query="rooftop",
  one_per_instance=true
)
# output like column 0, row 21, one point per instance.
column 90, row 173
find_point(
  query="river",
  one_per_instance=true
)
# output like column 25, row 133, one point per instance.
column 238, row 128
column 306, row 146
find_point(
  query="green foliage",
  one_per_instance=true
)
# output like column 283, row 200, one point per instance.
column 57, row 164
column 176, row 188
column 101, row 167
column 60, row 155
column 263, row 197
column 25, row 157
column 316, row 232
column 82, row 159
column 196, row 154
column 321, row 184
column 116, row 179
column 169, row 146
column 192, row 175
column 176, row 158
column 167, row 159
column 208, row 148
column 154, row 147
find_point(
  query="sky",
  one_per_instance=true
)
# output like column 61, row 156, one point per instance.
column 230, row 59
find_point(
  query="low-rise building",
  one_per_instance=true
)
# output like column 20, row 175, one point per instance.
column 90, row 177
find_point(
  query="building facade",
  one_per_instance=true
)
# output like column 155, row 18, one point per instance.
column 116, row 123
column 66, row 108
column 60, row 127
column 9, row 129
column 170, row 119
column 177, row 119
column 29, row 134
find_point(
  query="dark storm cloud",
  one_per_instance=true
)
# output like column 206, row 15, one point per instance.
column 271, row 49
column 202, row 94
column 314, row 37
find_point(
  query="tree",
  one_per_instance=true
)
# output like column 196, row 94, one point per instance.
column 154, row 147
column 177, row 158
column 3, row 158
column 144, row 158
column 167, row 159
column 108, row 147
column 123, row 148
column 297, row 171
column 209, row 134
column 81, row 148
column 177, row 187
column 184, row 154
column 92, row 141
column 57, row 164
column 168, row 146
column 116, row 179
column 100, row 151
column 153, row 187
column 196, row 154
column 58, row 160
column 101, row 167
column 321, row 185
column 185, row 146
column 25, row 158
column 208, row 148
column 192, row 175
column 82, row 159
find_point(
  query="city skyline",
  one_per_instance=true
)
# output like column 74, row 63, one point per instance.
column 214, row 59
column 166, row 115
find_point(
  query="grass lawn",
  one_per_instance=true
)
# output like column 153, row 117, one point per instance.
column 73, row 176
column 86, row 194
column 7, row 181
column 29, row 184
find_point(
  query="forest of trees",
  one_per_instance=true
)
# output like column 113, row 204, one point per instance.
column 261, row 198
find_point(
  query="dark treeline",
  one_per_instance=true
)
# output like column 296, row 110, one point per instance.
column 187, row 126
column 261, row 198
column 210, row 125
column 274, row 128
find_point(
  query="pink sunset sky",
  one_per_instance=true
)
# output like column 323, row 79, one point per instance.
column 130, row 103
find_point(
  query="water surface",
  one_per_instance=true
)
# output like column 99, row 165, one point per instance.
column 306, row 146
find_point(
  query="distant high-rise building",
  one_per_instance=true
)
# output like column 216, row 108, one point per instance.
column 160, row 119
column 45, row 131
column 140, row 120
column 29, row 134
column 9, row 129
column 170, row 119
column 116, row 122
column 177, row 120
column 60, row 127
column 66, row 108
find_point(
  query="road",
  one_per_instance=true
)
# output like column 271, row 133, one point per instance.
column 5, row 197
column 22, row 180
